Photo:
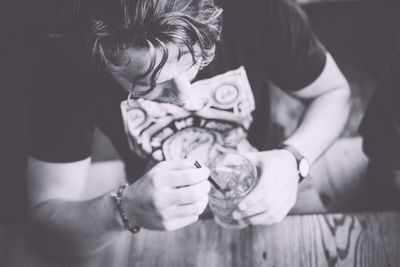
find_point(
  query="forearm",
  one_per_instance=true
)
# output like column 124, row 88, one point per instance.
column 322, row 123
column 72, row 228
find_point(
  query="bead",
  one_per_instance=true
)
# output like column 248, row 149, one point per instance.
column 117, row 196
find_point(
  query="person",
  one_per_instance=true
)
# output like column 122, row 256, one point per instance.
column 171, row 82
column 381, row 140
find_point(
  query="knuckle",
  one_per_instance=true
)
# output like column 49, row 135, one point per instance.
column 154, row 181
column 155, row 178
column 159, row 200
column 163, row 215
column 199, row 208
column 168, row 226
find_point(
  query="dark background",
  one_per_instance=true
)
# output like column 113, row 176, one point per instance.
column 361, row 36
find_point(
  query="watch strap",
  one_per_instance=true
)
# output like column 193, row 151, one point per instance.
column 297, row 155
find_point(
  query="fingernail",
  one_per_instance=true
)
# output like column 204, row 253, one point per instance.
column 236, row 215
column 242, row 206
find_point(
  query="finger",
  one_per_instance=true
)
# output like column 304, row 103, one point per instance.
column 186, row 210
column 180, row 178
column 273, row 216
column 260, row 207
column 255, row 196
column 259, row 219
column 266, row 218
column 266, row 204
column 187, row 195
column 178, row 223
column 181, row 164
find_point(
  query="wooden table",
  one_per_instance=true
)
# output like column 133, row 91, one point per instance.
column 364, row 239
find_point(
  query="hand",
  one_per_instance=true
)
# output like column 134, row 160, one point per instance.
column 170, row 196
column 275, row 194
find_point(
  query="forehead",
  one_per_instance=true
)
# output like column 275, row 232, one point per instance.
column 141, row 59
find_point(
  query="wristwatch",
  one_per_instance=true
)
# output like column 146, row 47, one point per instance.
column 303, row 166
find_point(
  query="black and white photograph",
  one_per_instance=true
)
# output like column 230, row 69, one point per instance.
column 192, row 133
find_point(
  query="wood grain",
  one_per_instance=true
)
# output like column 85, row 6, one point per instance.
column 364, row 239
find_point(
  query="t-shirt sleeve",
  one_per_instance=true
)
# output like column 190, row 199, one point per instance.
column 380, row 127
column 293, row 55
column 59, row 116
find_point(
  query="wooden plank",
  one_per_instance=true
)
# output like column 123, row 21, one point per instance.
column 365, row 239
column 332, row 1
column 387, row 227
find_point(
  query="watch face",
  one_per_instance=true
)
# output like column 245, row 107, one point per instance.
column 304, row 168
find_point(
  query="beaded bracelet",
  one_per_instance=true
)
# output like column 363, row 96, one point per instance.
column 117, row 196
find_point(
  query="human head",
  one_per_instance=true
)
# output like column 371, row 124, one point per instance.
column 153, row 30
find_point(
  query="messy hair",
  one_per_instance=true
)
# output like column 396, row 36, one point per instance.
column 113, row 26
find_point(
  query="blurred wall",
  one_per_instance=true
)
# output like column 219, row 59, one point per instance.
column 361, row 36
column 17, row 58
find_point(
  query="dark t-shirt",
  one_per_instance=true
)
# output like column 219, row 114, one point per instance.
column 263, row 40
column 380, row 127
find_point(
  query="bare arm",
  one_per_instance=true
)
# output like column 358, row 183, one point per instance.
column 328, row 99
column 63, row 222
column 325, row 115
column 170, row 196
